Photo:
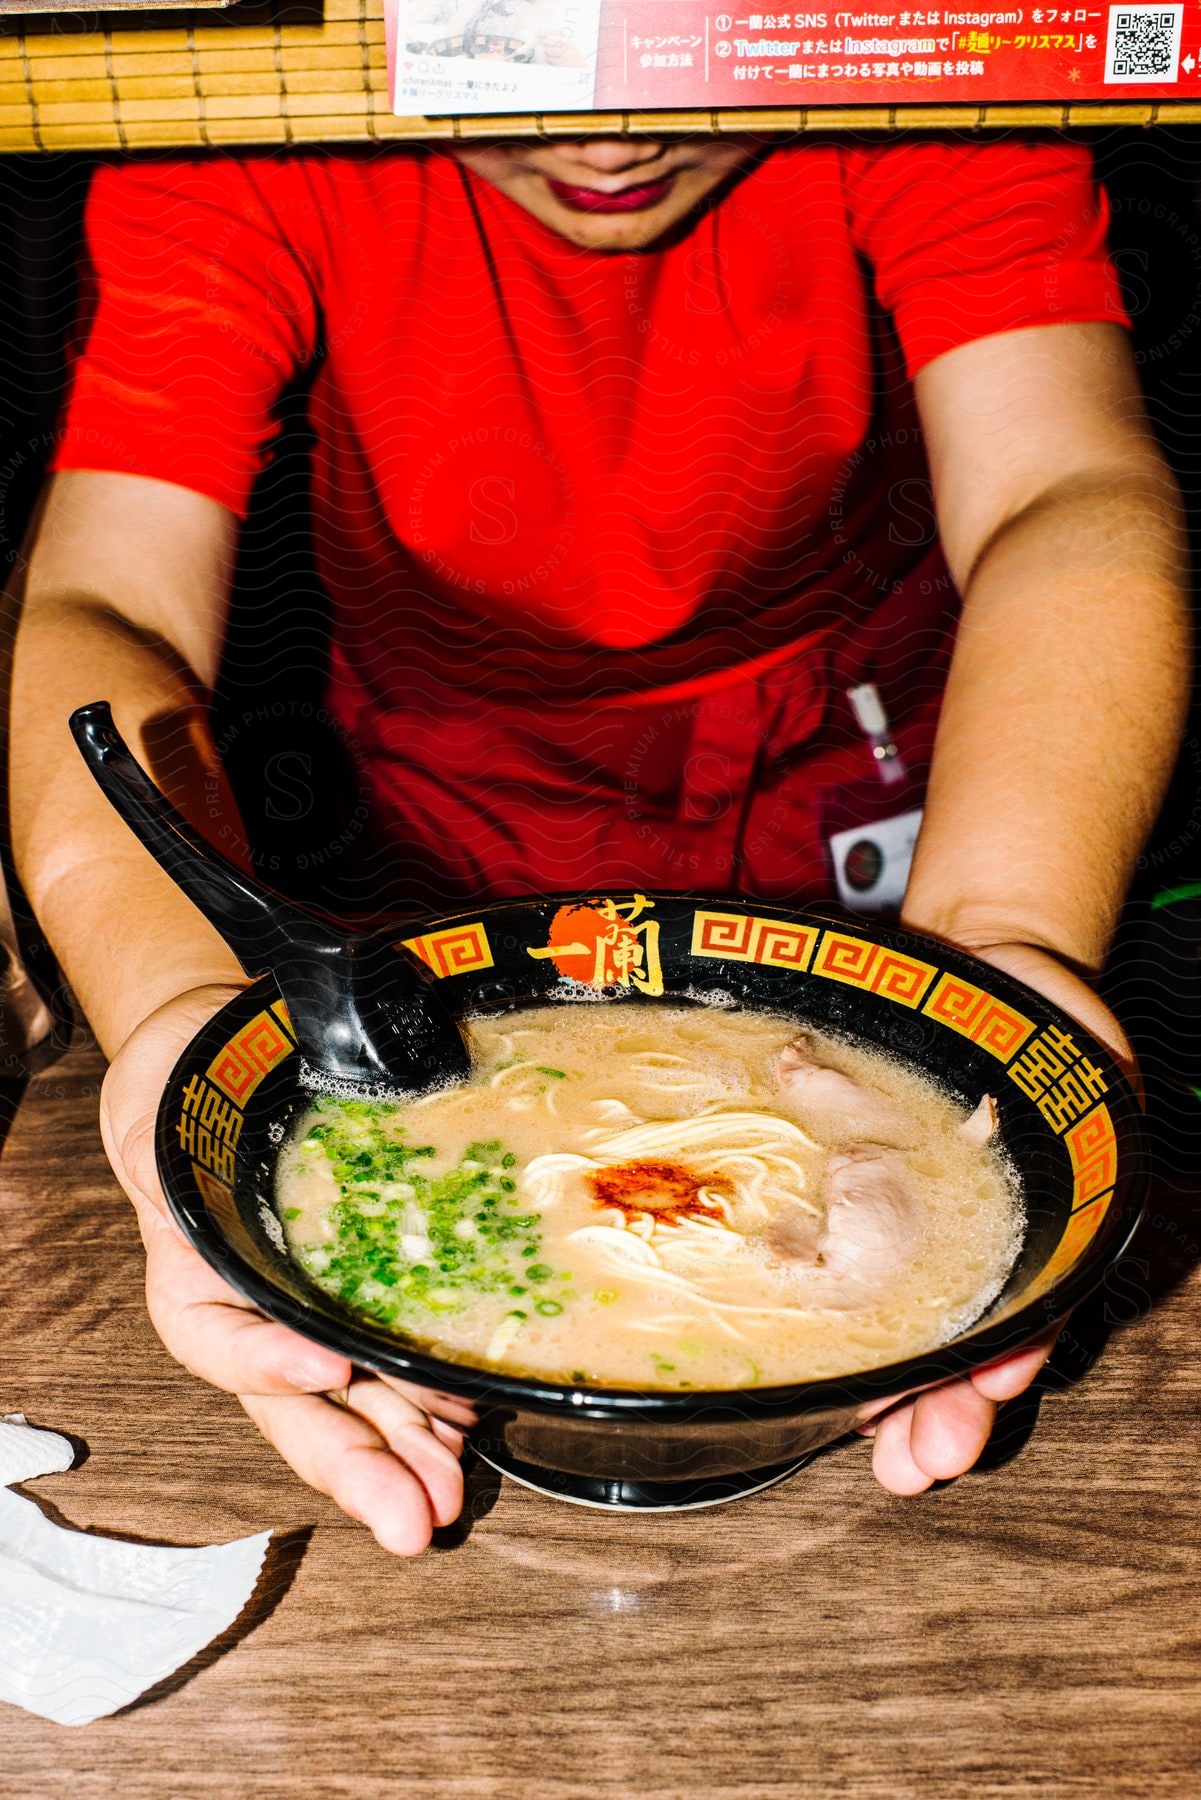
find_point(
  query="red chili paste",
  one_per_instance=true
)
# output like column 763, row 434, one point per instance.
column 669, row 1190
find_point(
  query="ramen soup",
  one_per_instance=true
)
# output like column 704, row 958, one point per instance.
column 677, row 1197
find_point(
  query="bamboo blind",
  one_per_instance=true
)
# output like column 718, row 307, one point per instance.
column 55, row 6
column 279, row 72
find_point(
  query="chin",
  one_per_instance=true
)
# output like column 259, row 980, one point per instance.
column 632, row 231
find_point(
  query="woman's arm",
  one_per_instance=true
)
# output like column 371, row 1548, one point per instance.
column 1070, row 678
column 125, row 600
column 1062, row 717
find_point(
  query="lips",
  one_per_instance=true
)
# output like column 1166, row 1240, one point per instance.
column 591, row 200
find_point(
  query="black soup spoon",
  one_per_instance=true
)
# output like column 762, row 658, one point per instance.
column 363, row 1009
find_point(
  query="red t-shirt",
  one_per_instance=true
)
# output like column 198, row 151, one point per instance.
column 607, row 537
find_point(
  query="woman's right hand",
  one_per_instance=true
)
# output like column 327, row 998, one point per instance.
column 373, row 1449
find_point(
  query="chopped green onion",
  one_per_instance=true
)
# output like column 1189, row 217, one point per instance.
column 391, row 1209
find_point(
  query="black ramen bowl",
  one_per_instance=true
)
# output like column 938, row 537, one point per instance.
column 1069, row 1122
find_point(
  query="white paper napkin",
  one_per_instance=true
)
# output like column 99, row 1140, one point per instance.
column 87, row 1623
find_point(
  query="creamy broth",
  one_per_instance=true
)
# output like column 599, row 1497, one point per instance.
column 676, row 1197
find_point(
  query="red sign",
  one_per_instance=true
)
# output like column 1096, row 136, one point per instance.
column 893, row 54
column 548, row 55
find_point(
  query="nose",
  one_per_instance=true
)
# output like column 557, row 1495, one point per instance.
column 611, row 155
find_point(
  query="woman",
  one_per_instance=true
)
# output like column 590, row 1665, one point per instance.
column 625, row 451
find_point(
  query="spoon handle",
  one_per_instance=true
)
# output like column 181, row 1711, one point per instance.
column 362, row 1010
column 259, row 926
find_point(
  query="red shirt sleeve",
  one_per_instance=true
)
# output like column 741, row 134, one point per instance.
column 970, row 238
column 195, row 312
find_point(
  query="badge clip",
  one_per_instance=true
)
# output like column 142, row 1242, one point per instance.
column 872, row 721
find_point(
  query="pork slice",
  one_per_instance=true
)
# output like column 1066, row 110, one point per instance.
column 792, row 1236
column 837, row 1108
column 873, row 1224
column 979, row 1126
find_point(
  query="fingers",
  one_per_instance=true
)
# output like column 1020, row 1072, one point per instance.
column 941, row 1433
column 129, row 1146
column 892, row 1460
column 938, row 1435
column 374, row 1458
column 129, row 1095
column 450, row 1435
column 413, row 1436
column 218, row 1336
column 1012, row 1375
column 456, row 1410
column 378, row 1456
column 872, row 1410
column 949, row 1429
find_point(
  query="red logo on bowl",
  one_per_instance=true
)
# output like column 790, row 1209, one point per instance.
column 597, row 942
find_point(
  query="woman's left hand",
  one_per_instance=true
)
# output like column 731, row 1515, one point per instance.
column 933, row 1436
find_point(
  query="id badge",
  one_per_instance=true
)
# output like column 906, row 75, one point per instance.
column 871, row 826
column 871, row 862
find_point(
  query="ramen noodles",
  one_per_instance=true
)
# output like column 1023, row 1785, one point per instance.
column 669, row 1197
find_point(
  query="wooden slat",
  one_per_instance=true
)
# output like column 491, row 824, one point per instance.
column 569, row 124
column 217, row 51
column 96, row 87
column 132, row 138
column 342, row 81
column 273, row 130
column 244, row 106
column 90, row 136
column 311, row 106
column 99, row 112
column 34, row 7
column 132, row 65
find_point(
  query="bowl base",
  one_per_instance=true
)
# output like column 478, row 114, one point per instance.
column 636, row 1496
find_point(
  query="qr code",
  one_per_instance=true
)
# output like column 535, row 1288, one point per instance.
column 1143, row 43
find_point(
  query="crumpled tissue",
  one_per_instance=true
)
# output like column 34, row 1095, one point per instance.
column 87, row 1623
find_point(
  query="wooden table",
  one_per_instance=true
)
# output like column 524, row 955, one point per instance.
column 1029, row 1629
